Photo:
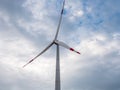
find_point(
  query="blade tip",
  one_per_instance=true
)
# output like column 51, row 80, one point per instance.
column 23, row 66
column 78, row 52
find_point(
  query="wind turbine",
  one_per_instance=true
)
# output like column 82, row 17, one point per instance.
column 57, row 43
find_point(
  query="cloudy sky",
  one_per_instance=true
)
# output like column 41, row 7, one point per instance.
column 90, row 26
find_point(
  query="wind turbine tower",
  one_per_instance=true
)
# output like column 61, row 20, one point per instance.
column 57, row 43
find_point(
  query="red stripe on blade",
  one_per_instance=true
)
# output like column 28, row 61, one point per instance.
column 72, row 49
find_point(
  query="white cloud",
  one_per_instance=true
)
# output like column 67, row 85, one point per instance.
column 37, row 27
column 76, row 14
column 79, row 13
column 74, row 10
column 35, row 7
column 89, row 9
column 99, row 44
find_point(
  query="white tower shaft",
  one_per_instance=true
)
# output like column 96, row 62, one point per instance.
column 57, row 77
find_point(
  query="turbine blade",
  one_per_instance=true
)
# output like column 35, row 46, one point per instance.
column 65, row 46
column 60, row 19
column 39, row 54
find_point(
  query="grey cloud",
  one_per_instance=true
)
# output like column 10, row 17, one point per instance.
column 14, row 78
column 14, row 9
column 100, row 75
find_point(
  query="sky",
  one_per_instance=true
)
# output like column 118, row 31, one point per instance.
column 90, row 26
